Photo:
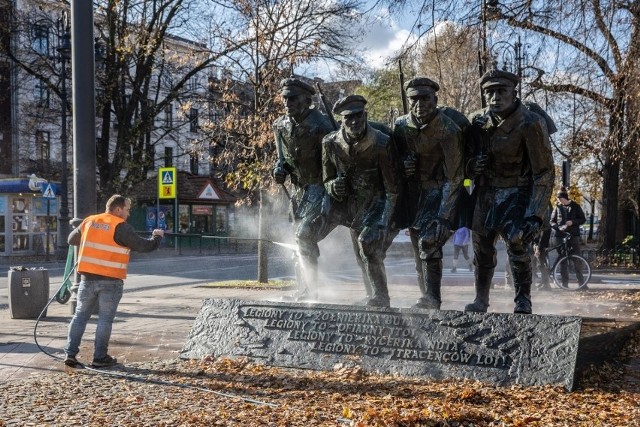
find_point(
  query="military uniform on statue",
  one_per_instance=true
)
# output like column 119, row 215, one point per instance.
column 430, row 147
column 298, row 136
column 359, row 173
column 509, row 158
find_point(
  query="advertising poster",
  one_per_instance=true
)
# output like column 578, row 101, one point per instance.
column 155, row 219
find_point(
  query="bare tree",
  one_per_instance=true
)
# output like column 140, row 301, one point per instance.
column 153, row 61
column 154, row 58
column 444, row 55
column 585, row 48
column 597, row 45
column 285, row 33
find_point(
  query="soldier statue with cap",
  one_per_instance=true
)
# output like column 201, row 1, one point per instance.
column 509, row 158
column 430, row 146
column 298, row 137
column 359, row 174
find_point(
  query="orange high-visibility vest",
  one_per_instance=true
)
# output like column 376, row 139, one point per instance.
column 99, row 253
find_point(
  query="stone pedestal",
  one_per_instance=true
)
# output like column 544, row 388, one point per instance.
column 498, row 348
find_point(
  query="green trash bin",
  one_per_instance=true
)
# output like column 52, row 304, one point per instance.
column 28, row 292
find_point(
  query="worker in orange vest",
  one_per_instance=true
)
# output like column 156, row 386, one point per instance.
column 105, row 241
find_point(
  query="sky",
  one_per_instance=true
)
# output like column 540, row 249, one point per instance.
column 383, row 38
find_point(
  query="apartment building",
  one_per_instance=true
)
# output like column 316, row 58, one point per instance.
column 36, row 129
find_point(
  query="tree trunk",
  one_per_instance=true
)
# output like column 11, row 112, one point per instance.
column 263, row 275
column 610, row 177
column 611, row 169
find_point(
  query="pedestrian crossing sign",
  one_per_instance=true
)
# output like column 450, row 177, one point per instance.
column 48, row 191
column 167, row 181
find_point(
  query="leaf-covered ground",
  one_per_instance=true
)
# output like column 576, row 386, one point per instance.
column 225, row 392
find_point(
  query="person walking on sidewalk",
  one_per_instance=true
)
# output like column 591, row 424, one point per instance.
column 461, row 239
column 105, row 241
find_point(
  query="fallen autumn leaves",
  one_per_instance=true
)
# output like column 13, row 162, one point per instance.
column 191, row 393
column 607, row 396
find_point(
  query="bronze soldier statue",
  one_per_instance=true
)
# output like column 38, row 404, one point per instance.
column 430, row 146
column 358, row 169
column 298, row 136
column 509, row 159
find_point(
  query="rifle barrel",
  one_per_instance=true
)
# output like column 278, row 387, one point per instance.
column 327, row 107
column 403, row 95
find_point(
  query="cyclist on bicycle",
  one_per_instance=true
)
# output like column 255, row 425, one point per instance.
column 567, row 217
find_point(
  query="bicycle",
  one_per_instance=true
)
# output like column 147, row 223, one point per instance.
column 568, row 272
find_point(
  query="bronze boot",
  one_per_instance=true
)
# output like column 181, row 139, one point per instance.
column 430, row 288
column 522, row 284
column 483, row 287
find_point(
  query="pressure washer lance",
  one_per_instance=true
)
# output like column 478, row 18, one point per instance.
column 253, row 239
column 130, row 377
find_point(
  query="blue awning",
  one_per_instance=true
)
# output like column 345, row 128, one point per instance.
column 22, row 185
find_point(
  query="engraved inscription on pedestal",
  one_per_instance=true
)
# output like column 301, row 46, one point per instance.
column 499, row 348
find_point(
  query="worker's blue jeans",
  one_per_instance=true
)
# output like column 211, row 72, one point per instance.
column 107, row 294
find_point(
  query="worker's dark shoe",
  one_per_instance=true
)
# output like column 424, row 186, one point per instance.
column 476, row 307
column 378, row 302
column 104, row 362
column 427, row 303
column 522, row 307
column 71, row 361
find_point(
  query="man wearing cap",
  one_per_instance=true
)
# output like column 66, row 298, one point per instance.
column 298, row 136
column 430, row 148
column 509, row 159
column 567, row 217
column 358, row 169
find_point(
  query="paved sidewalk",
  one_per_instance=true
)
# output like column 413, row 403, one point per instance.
column 154, row 323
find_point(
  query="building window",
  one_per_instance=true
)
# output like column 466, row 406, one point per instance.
column 41, row 94
column 193, row 163
column 193, row 83
column 214, row 115
column 168, row 115
column 193, row 120
column 43, row 145
column 168, row 157
column 41, row 39
column 150, row 110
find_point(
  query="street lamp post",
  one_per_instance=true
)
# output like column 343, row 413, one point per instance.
column 511, row 56
column 64, row 56
column 84, row 116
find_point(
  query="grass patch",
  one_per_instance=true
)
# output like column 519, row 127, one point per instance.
column 251, row 284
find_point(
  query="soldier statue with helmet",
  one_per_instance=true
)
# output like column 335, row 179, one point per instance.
column 298, row 137
column 359, row 174
column 508, row 156
column 430, row 147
